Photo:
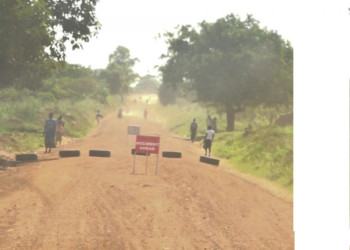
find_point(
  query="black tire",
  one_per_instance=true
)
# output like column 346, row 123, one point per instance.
column 69, row 153
column 209, row 160
column 27, row 157
column 99, row 153
column 170, row 154
column 133, row 152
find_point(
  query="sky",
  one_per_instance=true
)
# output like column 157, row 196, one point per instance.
column 135, row 24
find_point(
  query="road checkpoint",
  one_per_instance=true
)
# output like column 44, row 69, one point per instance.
column 144, row 145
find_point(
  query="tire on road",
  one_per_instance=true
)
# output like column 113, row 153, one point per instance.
column 133, row 152
column 69, row 153
column 209, row 160
column 27, row 157
column 171, row 154
column 99, row 153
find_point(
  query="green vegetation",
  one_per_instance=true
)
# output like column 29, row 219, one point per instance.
column 23, row 113
column 33, row 34
column 231, row 64
column 267, row 152
column 119, row 74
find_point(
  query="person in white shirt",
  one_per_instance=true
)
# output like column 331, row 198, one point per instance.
column 208, row 139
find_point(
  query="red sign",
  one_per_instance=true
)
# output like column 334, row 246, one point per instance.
column 147, row 144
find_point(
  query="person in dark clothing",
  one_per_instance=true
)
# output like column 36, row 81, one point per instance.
column 50, row 133
column 193, row 130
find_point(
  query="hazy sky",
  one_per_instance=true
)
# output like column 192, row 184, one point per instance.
column 135, row 24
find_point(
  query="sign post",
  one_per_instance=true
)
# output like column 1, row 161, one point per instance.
column 132, row 130
column 147, row 145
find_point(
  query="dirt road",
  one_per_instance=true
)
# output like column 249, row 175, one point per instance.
column 96, row 203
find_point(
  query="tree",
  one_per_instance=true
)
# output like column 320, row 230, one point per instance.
column 33, row 35
column 167, row 94
column 147, row 84
column 231, row 64
column 119, row 73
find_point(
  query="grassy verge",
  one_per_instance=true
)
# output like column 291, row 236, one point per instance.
column 22, row 121
column 267, row 152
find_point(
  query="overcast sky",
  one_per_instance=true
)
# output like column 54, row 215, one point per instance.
column 135, row 24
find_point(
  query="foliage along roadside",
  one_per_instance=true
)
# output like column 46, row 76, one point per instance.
column 22, row 117
column 267, row 152
column 231, row 64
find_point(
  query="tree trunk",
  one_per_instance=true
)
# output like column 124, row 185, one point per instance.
column 122, row 98
column 230, row 115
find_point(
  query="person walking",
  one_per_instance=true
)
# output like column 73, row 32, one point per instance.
column 59, row 129
column 98, row 117
column 49, row 133
column 193, row 130
column 208, row 140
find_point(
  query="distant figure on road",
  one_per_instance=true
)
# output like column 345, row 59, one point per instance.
column 145, row 114
column 98, row 117
column 59, row 130
column 135, row 101
column 127, row 108
column 208, row 140
column 49, row 133
column 193, row 130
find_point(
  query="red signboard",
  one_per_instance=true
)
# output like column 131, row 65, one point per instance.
column 147, row 144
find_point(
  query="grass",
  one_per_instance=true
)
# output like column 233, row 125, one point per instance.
column 267, row 152
column 22, row 121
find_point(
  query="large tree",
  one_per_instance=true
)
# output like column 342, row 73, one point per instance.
column 119, row 73
column 33, row 34
column 231, row 64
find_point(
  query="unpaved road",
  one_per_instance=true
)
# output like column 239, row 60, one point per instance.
column 96, row 203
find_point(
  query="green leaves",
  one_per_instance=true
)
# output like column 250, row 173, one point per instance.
column 231, row 63
column 28, row 28
column 119, row 73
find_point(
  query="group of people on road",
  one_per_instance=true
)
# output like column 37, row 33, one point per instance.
column 208, row 138
column 53, row 132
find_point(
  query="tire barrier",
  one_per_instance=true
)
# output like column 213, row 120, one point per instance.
column 27, row 157
column 209, row 160
column 133, row 153
column 170, row 154
column 69, row 153
column 99, row 153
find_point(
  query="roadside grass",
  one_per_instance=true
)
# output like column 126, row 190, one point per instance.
column 267, row 152
column 22, row 120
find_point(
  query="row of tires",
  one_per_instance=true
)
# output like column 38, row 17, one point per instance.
column 105, row 153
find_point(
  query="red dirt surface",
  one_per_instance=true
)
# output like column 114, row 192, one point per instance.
column 96, row 203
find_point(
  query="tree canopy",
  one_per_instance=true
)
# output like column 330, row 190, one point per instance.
column 230, row 64
column 33, row 35
column 119, row 73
